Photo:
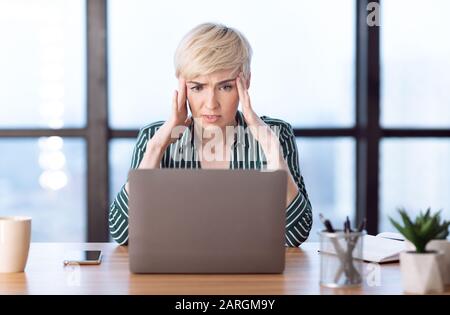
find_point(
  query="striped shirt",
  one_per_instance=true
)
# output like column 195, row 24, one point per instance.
column 246, row 154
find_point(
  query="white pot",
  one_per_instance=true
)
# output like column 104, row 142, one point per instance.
column 421, row 273
column 444, row 247
column 437, row 245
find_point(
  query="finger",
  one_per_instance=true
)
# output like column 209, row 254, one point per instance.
column 247, row 95
column 182, row 93
column 247, row 99
column 243, row 92
column 240, row 88
column 175, row 101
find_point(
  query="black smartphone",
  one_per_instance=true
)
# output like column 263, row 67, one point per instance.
column 83, row 257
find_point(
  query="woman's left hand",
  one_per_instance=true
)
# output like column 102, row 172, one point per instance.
column 260, row 130
column 250, row 116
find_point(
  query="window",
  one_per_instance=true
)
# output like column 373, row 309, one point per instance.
column 369, row 105
column 42, row 64
column 42, row 92
column 415, row 174
column 45, row 178
column 328, row 167
column 302, row 67
column 415, row 64
column 415, row 99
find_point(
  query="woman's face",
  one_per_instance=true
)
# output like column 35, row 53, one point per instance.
column 214, row 98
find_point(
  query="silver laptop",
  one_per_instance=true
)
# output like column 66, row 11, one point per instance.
column 207, row 221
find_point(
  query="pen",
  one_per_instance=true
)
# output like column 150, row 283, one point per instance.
column 347, row 225
column 362, row 226
column 327, row 223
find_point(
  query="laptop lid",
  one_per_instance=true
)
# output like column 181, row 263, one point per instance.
column 207, row 221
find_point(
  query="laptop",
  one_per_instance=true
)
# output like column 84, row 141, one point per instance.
column 207, row 221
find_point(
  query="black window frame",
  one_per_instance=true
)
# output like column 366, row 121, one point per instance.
column 367, row 131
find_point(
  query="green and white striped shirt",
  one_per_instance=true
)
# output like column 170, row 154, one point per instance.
column 247, row 154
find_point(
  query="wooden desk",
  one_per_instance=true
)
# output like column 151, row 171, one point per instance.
column 45, row 274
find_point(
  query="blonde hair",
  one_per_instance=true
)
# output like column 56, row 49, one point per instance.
column 210, row 47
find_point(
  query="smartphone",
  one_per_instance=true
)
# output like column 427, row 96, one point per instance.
column 83, row 257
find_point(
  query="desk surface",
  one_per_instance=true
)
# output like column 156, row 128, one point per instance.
column 45, row 274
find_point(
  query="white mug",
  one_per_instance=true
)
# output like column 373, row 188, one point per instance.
column 15, row 235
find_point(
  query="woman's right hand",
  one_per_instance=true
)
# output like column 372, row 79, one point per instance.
column 179, row 107
column 170, row 131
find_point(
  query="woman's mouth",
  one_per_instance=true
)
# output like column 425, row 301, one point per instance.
column 210, row 118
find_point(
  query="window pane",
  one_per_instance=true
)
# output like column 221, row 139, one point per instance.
column 322, row 161
column 45, row 178
column 120, row 152
column 415, row 174
column 42, row 62
column 415, row 64
column 302, row 68
column 328, row 168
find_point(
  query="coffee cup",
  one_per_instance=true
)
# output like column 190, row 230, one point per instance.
column 15, row 235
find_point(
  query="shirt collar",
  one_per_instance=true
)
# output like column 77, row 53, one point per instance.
column 240, row 130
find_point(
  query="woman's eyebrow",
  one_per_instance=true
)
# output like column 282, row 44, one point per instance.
column 221, row 82
column 225, row 81
column 194, row 82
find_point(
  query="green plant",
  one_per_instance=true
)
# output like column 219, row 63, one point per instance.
column 425, row 228
column 423, row 217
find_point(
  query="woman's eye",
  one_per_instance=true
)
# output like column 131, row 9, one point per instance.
column 196, row 88
column 227, row 87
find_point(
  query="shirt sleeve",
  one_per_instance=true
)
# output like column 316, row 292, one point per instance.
column 118, row 210
column 299, row 211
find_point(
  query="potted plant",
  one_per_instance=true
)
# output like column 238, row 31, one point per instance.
column 439, row 243
column 421, row 269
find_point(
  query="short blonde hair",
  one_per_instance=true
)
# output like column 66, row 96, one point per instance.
column 210, row 47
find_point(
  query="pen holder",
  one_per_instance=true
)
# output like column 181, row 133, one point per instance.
column 340, row 259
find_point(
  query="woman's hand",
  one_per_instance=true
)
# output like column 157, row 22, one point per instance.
column 250, row 116
column 170, row 131
column 260, row 130
column 179, row 107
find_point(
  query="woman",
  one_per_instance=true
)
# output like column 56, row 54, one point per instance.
column 213, row 69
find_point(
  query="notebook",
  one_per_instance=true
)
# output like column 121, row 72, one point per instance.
column 382, row 248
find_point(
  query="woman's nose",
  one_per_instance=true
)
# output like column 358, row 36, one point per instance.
column 212, row 102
